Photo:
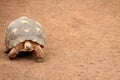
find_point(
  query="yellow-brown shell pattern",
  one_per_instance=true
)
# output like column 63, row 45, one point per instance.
column 23, row 29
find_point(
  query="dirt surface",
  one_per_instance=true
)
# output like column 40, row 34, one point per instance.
column 82, row 40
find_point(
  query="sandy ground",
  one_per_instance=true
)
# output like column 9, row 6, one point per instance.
column 82, row 40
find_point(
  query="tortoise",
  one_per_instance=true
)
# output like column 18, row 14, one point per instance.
column 25, row 35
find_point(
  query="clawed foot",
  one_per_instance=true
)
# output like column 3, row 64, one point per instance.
column 39, row 59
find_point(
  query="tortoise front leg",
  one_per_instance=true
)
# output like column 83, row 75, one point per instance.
column 14, row 51
column 12, row 54
column 38, row 53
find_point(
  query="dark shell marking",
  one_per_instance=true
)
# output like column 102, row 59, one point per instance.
column 24, row 29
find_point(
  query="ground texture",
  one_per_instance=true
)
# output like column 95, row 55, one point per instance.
column 82, row 40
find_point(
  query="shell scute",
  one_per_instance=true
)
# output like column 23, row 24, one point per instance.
column 23, row 29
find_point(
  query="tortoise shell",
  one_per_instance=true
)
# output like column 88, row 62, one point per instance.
column 23, row 29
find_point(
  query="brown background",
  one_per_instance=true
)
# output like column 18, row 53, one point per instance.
column 82, row 40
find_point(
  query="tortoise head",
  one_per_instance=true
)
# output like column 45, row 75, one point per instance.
column 28, row 46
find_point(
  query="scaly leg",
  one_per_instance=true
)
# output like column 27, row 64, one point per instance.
column 38, row 53
column 12, row 54
column 14, row 51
